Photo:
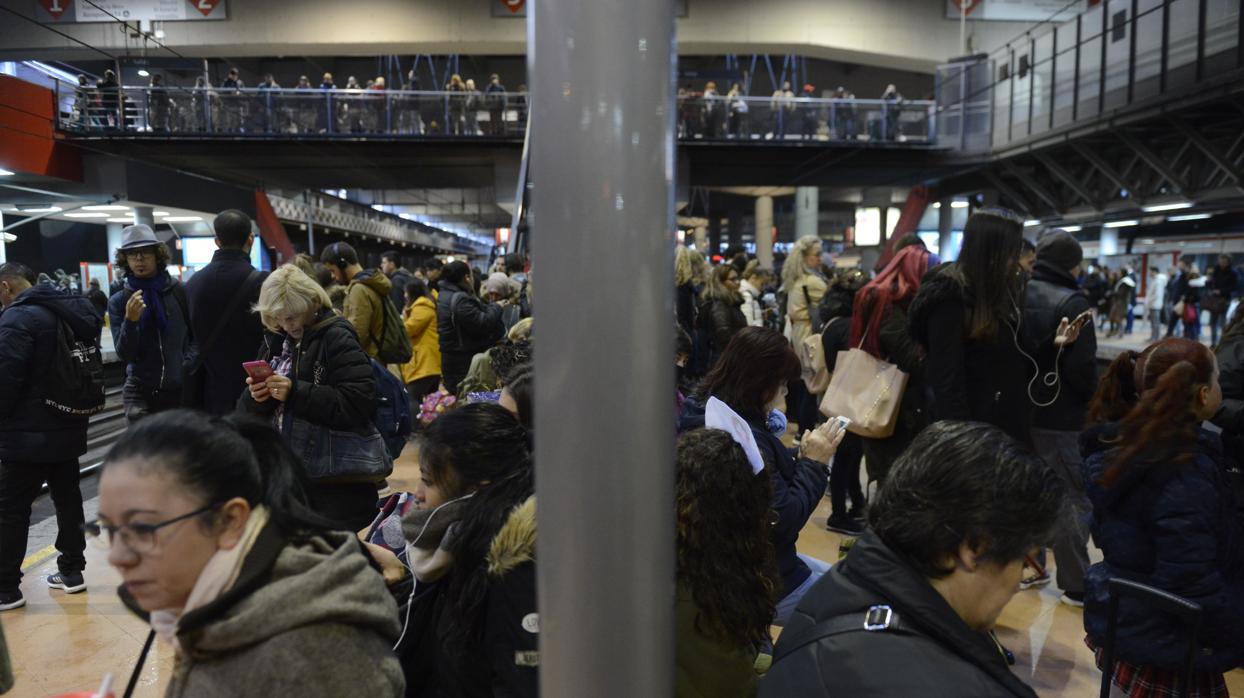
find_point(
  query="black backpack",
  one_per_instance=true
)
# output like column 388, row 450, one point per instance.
column 75, row 377
column 393, row 344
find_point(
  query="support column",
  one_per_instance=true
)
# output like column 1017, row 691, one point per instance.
column 144, row 215
column 764, row 231
column 1109, row 242
column 602, row 78
column 807, row 211
column 946, row 248
column 114, row 239
column 3, row 254
column 701, row 239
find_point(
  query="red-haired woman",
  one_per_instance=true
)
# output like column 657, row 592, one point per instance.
column 1163, row 515
column 879, row 326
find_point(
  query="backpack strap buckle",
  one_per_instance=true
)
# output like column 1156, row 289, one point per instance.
column 878, row 618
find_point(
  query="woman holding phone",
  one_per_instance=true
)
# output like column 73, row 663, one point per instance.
column 320, row 374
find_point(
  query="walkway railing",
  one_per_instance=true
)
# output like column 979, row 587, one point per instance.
column 164, row 112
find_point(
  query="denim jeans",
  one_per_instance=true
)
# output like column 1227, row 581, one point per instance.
column 1155, row 324
column 787, row 606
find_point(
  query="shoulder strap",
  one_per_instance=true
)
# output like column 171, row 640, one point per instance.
column 179, row 295
column 876, row 619
column 240, row 295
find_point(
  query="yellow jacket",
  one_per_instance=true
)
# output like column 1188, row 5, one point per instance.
column 421, row 327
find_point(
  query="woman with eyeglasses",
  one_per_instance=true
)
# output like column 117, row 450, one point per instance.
column 207, row 524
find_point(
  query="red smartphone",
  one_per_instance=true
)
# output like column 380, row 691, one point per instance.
column 259, row 371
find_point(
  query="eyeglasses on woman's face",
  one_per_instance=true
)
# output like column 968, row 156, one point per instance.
column 139, row 538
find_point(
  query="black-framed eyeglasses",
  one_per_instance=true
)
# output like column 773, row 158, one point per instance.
column 140, row 538
column 140, row 254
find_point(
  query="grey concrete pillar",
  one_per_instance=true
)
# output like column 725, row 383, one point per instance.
column 602, row 78
column 144, row 215
column 764, row 231
column 1109, row 242
column 945, row 231
column 114, row 239
column 807, row 211
column 701, row 238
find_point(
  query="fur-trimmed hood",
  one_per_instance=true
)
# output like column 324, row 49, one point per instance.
column 515, row 543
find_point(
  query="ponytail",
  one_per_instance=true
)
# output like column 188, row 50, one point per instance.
column 282, row 476
column 1116, row 391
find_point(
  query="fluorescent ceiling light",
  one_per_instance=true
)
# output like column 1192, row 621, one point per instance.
column 1190, row 217
column 1146, row 241
column 1031, row 223
column 1167, row 207
column 182, row 219
column 120, row 220
column 44, row 209
column 6, row 173
column 79, row 214
column 160, row 213
column 108, row 207
column 1121, row 224
column 143, row 72
column 1070, row 228
column 958, row 204
column 937, row 204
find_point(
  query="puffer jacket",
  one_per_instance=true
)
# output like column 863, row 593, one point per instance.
column 465, row 324
column 305, row 611
column 932, row 652
column 1172, row 526
column 364, row 307
column 343, row 397
column 798, row 486
column 1052, row 295
column 155, row 358
column 720, row 320
column 966, row 379
column 30, row 431
column 421, row 328
column 512, row 628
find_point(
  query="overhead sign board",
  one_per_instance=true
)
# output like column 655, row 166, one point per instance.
column 66, row 11
column 518, row 8
column 1015, row 10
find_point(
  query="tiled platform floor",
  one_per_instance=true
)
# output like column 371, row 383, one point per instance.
column 65, row 643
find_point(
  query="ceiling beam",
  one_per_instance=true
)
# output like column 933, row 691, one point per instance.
column 1030, row 182
column 1099, row 162
column 1006, row 190
column 1057, row 170
column 1152, row 160
column 1206, row 147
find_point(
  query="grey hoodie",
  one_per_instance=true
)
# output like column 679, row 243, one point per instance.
column 309, row 617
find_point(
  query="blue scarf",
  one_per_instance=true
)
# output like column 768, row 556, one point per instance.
column 152, row 289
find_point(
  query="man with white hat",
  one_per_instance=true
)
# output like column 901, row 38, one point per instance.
column 150, row 323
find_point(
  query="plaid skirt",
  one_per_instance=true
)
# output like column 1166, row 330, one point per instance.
column 1141, row 681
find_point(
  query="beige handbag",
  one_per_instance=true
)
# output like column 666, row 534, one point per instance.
column 812, row 358
column 867, row 391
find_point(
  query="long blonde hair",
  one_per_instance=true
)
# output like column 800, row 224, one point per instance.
column 685, row 267
column 794, row 269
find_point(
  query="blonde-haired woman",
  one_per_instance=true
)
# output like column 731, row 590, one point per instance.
column 456, row 123
column 804, row 286
column 685, row 287
column 320, row 379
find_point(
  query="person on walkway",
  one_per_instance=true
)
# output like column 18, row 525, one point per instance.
column 804, row 285
column 207, row 524
column 1176, row 288
column 879, row 327
column 752, row 290
column 366, row 291
column 212, row 293
column 836, row 309
column 1155, row 302
column 725, row 595
column 720, row 314
column 321, row 382
column 150, row 321
column 1068, row 377
column 494, row 97
column 38, row 442
column 98, row 299
column 391, row 266
column 1219, row 290
column 422, row 374
column 906, row 613
column 751, row 379
column 465, row 324
column 1164, row 515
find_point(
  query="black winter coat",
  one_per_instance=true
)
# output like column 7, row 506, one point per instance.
column 898, row 347
column 345, row 396
column 1172, row 526
column 932, row 653
column 1052, row 295
column 397, row 291
column 209, row 292
column 1222, row 281
column 967, row 379
column 720, row 321
column 798, row 486
column 1230, row 417
column 466, row 325
column 30, row 431
column 156, row 358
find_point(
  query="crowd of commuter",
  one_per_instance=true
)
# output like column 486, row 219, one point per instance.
column 248, row 511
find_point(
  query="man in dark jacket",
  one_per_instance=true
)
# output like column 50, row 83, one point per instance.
column 211, row 292
column 466, row 325
column 1176, row 289
column 150, row 321
column 37, row 443
column 1218, row 292
column 906, row 613
column 495, row 99
column 391, row 265
column 1062, row 394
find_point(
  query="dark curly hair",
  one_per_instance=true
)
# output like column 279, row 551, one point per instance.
column 725, row 557
column 508, row 356
column 162, row 259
